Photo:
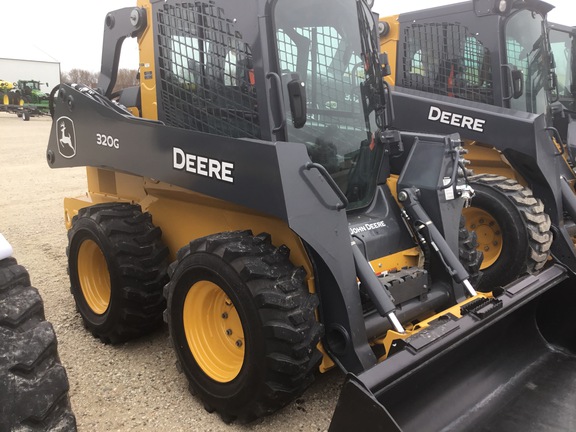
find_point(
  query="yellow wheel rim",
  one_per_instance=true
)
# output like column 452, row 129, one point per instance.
column 214, row 331
column 94, row 277
column 488, row 232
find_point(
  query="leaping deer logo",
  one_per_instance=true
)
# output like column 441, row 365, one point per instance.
column 66, row 137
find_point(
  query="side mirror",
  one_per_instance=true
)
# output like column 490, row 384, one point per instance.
column 297, row 98
column 517, row 83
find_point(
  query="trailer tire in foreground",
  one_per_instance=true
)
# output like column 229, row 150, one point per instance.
column 246, row 293
column 33, row 382
column 117, row 265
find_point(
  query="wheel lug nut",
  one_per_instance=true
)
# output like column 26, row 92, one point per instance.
column 229, row 332
column 486, row 248
column 481, row 221
column 238, row 343
column 495, row 243
column 225, row 315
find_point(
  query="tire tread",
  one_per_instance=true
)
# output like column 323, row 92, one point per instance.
column 531, row 209
column 286, row 311
column 141, row 260
column 33, row 382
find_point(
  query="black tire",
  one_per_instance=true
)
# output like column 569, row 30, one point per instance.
column 515, row 224
column 33, row 382
column 277, row 319
column 123, row 268
column 25, row 116
column 469, row 254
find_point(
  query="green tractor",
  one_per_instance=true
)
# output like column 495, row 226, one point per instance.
column 24, row 98
column 32, row 94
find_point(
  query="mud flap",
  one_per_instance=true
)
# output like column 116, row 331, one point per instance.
column 513, row 369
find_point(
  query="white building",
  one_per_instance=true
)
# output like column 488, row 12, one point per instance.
column 29, row 64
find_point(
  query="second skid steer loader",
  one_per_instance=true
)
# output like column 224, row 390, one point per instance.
column 251, row 192
column 484, row 69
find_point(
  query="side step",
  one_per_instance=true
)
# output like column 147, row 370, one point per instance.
column 465, row 371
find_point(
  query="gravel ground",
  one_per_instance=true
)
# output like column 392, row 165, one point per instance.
column 129, row 387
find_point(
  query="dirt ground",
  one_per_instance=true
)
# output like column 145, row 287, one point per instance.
column 129, row 387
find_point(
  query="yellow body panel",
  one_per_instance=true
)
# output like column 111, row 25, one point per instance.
column 389, row 45
column 485, row 159
column 148, row 67
column 406, row 258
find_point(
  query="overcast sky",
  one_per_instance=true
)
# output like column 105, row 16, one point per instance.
column 70, row 31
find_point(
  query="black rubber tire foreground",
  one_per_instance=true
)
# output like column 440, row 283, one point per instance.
column 137, row 263
column 277, row 315
column 33, row 382
column 526, row 235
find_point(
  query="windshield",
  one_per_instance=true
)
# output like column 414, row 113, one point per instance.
column 323, row 47
column 525, row 50
column 32, row 85
column 563, row 48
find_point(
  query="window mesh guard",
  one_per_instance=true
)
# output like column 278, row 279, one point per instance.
column 444, row 58
column 206, row 80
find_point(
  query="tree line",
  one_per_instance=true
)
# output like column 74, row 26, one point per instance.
column 126, row 78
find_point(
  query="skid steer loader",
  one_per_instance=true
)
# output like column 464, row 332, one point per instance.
column 484, row 69
column 251, row 193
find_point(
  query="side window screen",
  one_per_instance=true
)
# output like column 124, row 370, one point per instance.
column 205, row 70
column 446, row 59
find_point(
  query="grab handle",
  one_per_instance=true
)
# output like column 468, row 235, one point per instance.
column 277, row 85
column 331, row 183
